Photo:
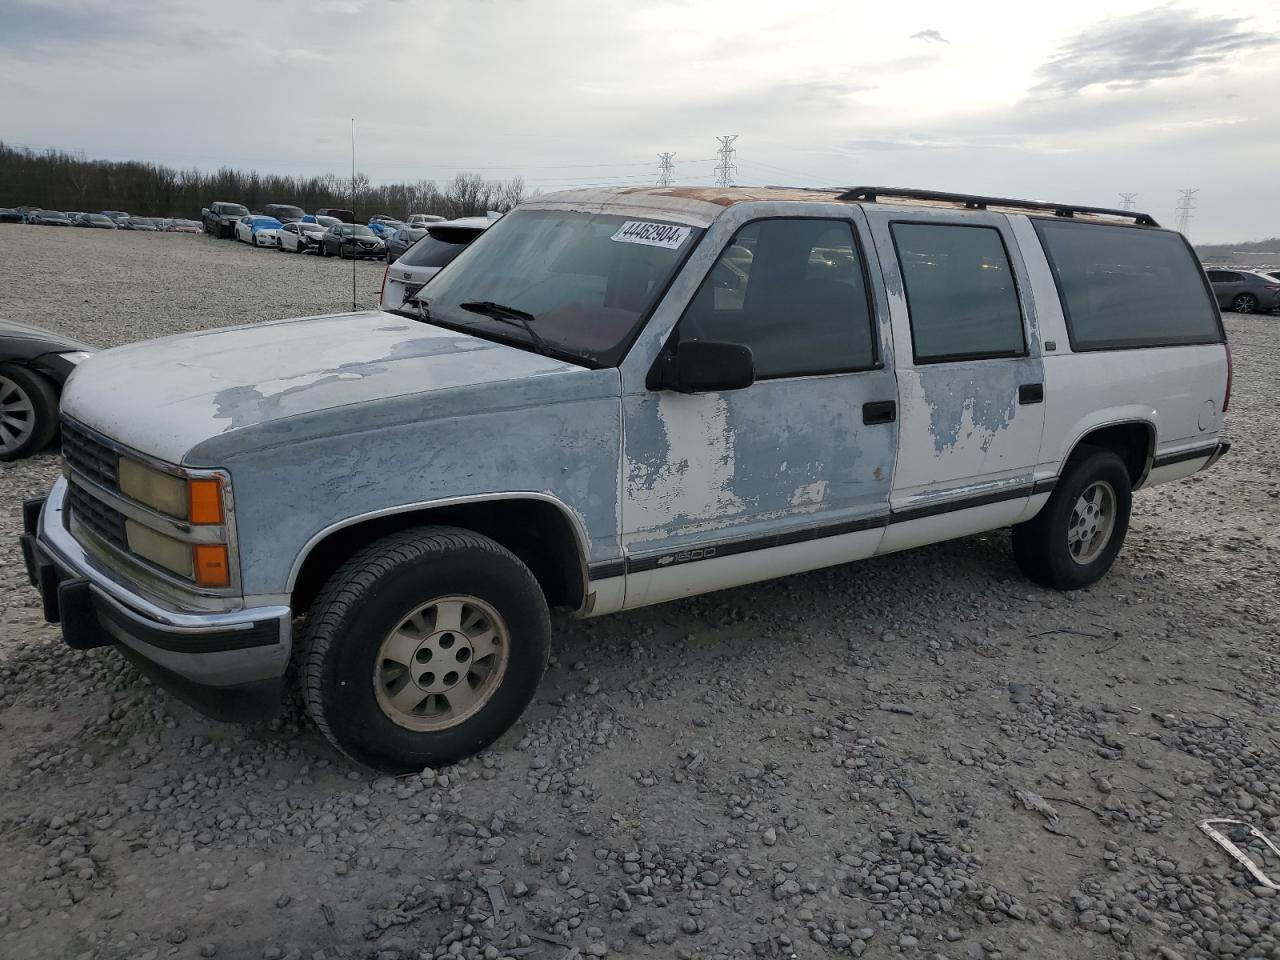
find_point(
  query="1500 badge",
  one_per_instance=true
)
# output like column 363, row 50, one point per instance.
column 706, row 553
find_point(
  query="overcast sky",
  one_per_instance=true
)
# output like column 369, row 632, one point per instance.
column 1077, row 105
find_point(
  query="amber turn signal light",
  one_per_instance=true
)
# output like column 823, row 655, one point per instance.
column 212, row 565
column 204, row 501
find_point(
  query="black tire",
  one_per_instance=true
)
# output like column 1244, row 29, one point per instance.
column 1244, row 303
column 29, row 433
column 370, row 595
column 1041, row 546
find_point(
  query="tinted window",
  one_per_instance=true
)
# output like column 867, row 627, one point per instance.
column 437, row 249
column 1126, row 287
column 792, row 291
column 1224, row 276
column 960, row 290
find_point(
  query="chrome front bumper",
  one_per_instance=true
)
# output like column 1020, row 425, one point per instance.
column 229, row 665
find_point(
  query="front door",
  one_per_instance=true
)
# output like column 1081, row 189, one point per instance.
column 793, row 472
column 970, row 376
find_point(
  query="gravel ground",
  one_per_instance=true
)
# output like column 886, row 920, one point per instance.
column 920, row 756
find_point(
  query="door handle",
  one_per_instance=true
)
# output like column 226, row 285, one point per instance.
column 1031, row 393
column 879, row 411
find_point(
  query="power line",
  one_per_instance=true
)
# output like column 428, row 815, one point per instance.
column 1126, row 200
column 665, row 166
column 726, row 168
column 1186, row 204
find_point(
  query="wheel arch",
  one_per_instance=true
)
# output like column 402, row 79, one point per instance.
column 538, row 528
column 1132, row 440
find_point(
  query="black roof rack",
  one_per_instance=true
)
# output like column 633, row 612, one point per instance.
column 972, row 202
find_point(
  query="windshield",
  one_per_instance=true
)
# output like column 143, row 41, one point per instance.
column 587, row 279
column 310, row 228
column 357, row 230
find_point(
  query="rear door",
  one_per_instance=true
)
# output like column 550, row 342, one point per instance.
column 970, row 375
column 1226, row 284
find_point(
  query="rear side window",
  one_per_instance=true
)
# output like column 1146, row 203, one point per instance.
column 1224, row 276
column 792, row 290
column 438, row 248
column 961, row 295
column 1124, row 287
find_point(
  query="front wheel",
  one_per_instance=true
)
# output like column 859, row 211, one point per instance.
column 1074, row 539
column 1244, row 303
column 28, row 412
column 424, row 648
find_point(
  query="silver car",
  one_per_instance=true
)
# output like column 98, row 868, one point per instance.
column 1245, row 291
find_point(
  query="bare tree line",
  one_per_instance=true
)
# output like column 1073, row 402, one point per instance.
column 63, row 181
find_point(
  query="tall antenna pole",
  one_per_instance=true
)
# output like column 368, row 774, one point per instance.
column 353, row 213
column 665, row 168
column 1186, row 204
column 726, row 168
column 1126, row 200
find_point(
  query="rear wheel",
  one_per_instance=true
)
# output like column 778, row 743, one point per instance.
column 1244, row 303
column 424, row 648
column 1074, row 539
column 28, row 412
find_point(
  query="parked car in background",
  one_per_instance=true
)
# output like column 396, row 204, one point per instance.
column 344, row 216
column 1244, row 291
column 443, row 241
column 424, row 218
column 384, row 229
column 115, row 215
column 74, row 216
column 284, row 212
column 258, row 231
column 404, row 238
column 145, row 224
column 220, row 220
column 351, row 240
column 34, row 364
column 299, row 237
column 1273, row 274
column 99, row 220
column 10, row 215
column 184, row 226
column 325, row 221
column 48, row 218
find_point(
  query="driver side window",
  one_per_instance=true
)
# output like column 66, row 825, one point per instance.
column 792, row 290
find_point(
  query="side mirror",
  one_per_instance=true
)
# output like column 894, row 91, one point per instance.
column 705, row 366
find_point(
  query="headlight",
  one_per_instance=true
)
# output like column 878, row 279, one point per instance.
column 159, row 491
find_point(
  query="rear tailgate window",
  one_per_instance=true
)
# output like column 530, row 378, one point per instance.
column 439, row 247
column 1125, row 287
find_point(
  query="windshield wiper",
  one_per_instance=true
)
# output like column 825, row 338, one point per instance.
column 496, row 311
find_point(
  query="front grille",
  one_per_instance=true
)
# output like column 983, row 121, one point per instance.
column 87, row 456
column 103, row 521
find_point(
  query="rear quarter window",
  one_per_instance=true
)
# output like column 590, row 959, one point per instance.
column 1125, row 287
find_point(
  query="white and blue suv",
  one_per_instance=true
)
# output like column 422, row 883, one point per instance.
column 610, row 399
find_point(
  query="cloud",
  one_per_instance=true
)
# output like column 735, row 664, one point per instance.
column 1157, row 44
column 929, row 36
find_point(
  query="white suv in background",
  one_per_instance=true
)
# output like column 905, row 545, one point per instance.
column 443, row 241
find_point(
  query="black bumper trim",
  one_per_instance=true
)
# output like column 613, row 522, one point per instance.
column 243, row 703
column 1182, row 456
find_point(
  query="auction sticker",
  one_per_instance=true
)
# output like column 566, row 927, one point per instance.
column 652, row 234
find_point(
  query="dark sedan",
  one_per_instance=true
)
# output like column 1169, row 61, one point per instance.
column 34, row 364
column 99, row 220
column 351, row 240
column 10, row 215
column 404, row 238
column 49, row 218
column 1245, row 291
